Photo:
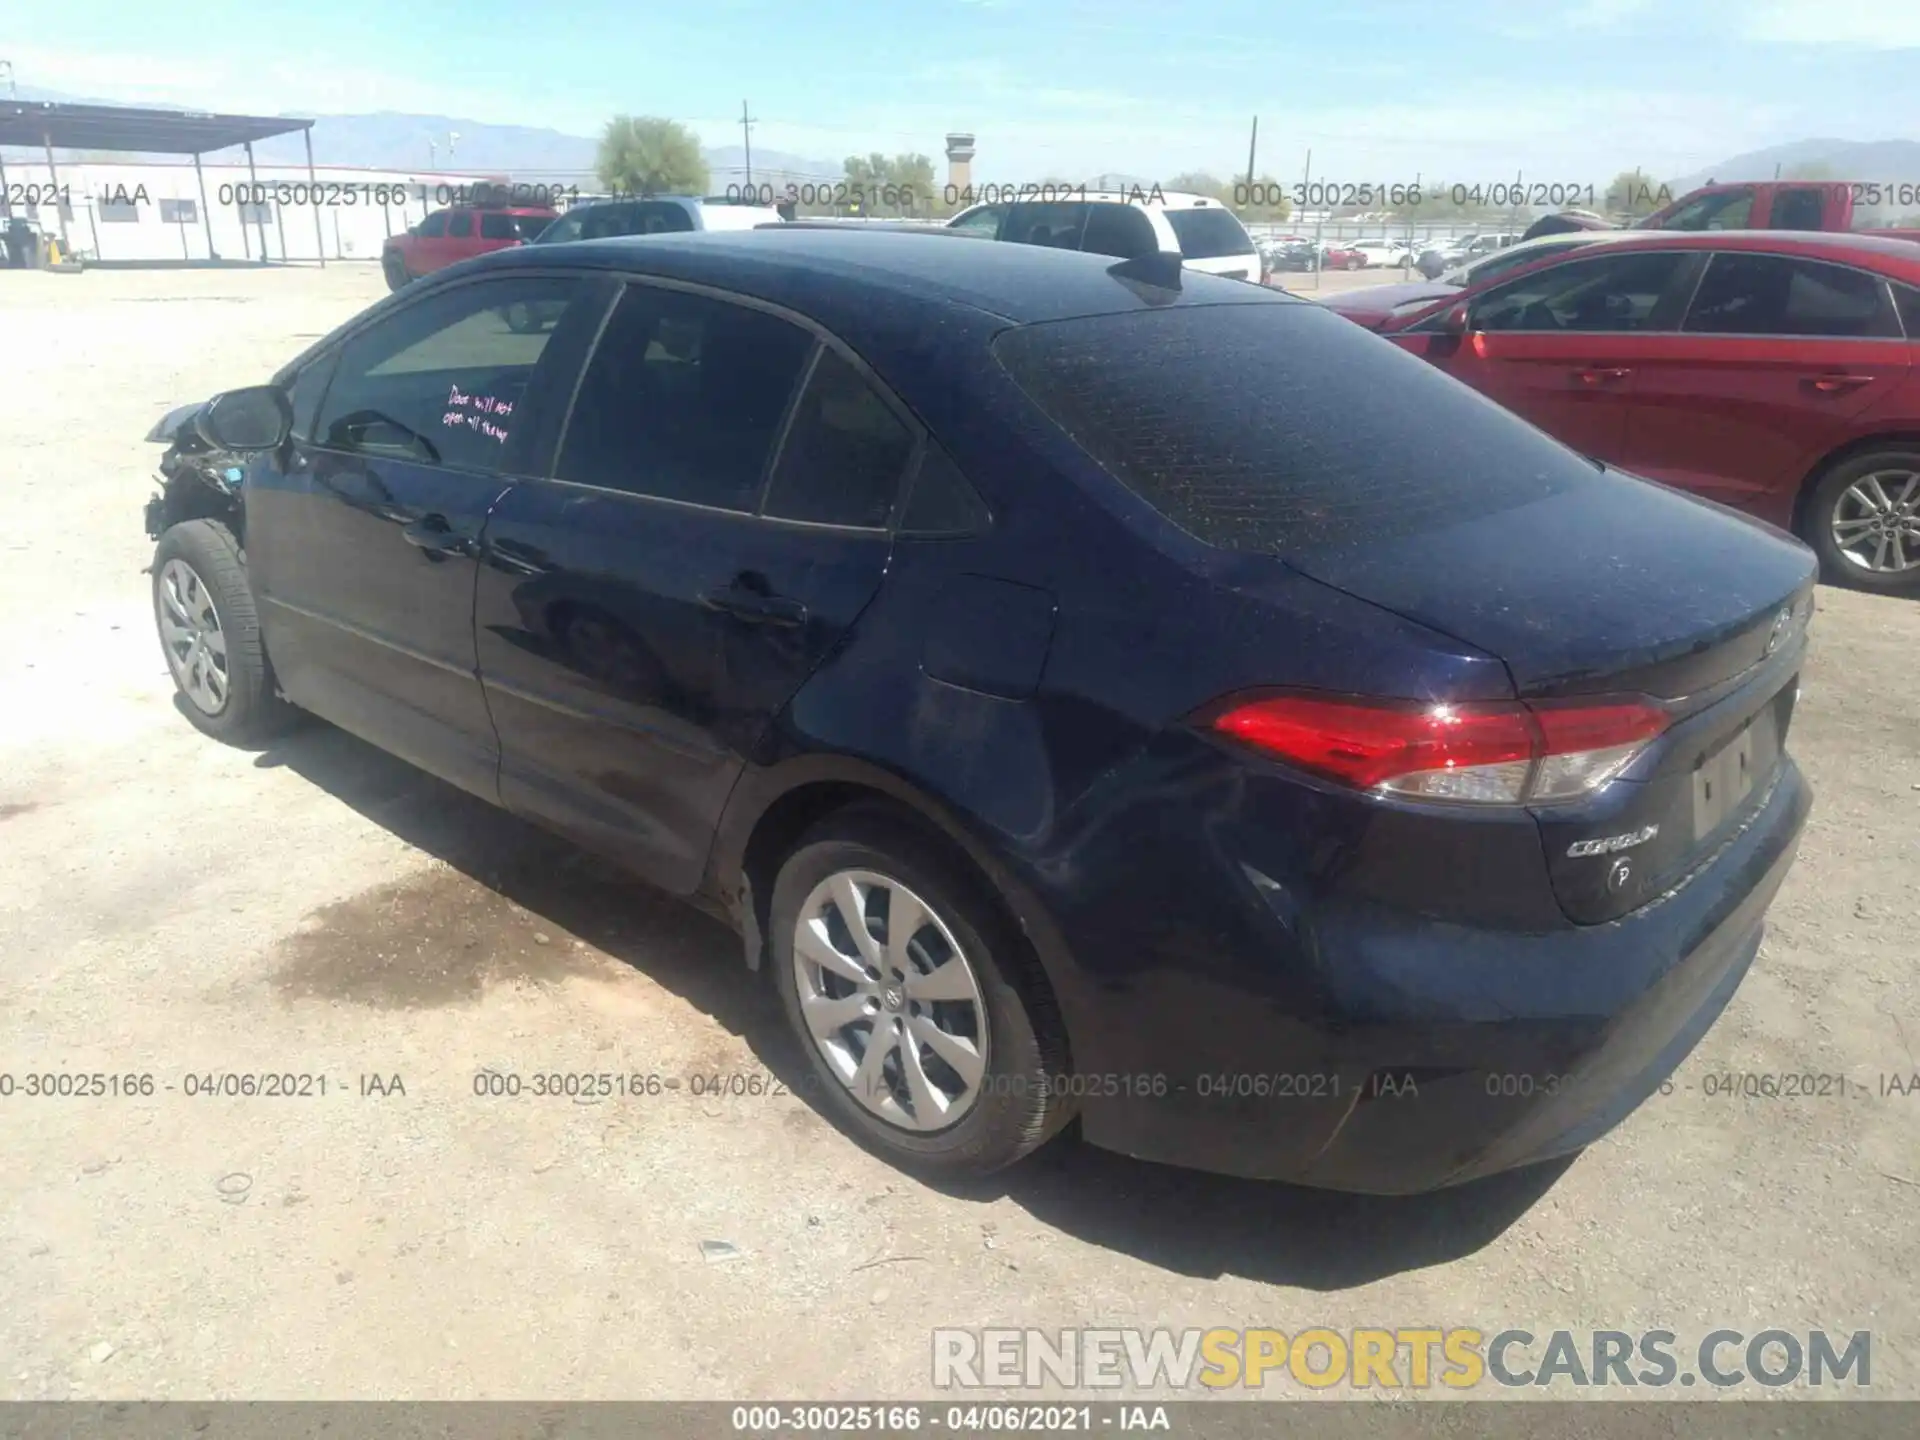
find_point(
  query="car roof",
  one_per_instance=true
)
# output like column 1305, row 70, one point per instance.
column 857, row 280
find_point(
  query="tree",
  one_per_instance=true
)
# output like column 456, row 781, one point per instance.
column 645, row 155
column 890, row 185
column 1264, row 202
column 1809, row 170
column 1199, row 182
column 1636, row 193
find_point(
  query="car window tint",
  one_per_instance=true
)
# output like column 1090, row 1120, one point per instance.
column 984, row 221
column 441, row 381
column 661, row 217
column 1207, row 233
column 1054, row 223
column 1121, row 231
column 844, row 453
column 1907, row 298
column 1780, row 295
column 1235, row 423
column 1723, row 210
column 1607, row 293
column 1497, row 265
column 1797, row 210
column 305, row 392
column 460, row 224
column 434, row 225
column 683, row 399
column 943, row 502
column 498, row 225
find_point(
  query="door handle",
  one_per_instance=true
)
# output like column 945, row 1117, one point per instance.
column 432, row 534
column 755, row 609
column 1601, row 374
column 1834, row 384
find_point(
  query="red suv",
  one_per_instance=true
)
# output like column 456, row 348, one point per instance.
column 1776, row 372
column 456, row 233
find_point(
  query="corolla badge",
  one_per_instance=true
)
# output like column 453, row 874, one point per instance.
column 1613, row 843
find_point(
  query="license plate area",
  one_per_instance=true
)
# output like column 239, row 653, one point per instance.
column 1724, row 780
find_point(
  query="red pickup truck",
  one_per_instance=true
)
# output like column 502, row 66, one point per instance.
column 1861, row 206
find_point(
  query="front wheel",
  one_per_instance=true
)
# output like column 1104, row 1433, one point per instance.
column 395, row 270
column 1863, row 518
column 930, row 1032
column 1356, row 263
column 203, row 609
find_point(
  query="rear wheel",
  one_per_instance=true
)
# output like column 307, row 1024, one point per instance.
column 1863, row 517
column 203, row 609
column 930, row 1032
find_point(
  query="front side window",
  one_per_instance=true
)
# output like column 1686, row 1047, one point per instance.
column 1907, row 299
column 441, row 382
column 1121, row 231
column 1781, row 295
column 1723, row 210
column 1609, row 293
column 499, row 225
column 683, row 399
column 1495, row 266
column 844, row 454
column 434, row 226
column 1797, row 210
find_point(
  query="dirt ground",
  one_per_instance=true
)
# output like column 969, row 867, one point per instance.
column 170, row 906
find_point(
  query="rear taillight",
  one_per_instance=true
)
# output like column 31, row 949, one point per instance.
column 1497, row 753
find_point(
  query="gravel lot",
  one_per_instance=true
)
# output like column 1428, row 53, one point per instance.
column 170, row 906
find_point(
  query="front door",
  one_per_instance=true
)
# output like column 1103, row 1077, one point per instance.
column 363, row 534
column 716, row 522
column 1559, row 345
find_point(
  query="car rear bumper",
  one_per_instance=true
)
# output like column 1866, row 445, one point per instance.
column 1404, row 1054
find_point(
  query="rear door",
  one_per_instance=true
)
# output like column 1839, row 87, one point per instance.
column 363, row 532
column 717, row 518
column 1777, row 359
column 1559, row 346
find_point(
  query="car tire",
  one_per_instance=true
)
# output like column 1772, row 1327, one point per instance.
column 1019, row 1100
column 1356, row 263
column 1844, row 497
column 395, row 269
column 210, row 634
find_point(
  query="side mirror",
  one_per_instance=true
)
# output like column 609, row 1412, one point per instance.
column 1457, row 321
column 256, row 418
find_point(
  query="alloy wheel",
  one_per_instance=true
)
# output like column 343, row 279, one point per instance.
column 1876, row 522
column 891, row 1001
column 190, row 631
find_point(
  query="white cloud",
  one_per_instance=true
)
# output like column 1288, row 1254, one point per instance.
column 1869, row 24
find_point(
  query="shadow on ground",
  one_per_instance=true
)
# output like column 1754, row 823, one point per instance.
column 443, row 939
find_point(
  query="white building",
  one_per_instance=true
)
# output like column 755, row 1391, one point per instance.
column 163, row 209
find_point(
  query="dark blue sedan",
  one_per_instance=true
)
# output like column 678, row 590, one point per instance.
column 1094, row 692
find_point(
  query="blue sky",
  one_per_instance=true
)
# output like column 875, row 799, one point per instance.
column 1378, row 89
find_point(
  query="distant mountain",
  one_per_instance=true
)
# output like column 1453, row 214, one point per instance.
column 1884, row 160
column 388, row 140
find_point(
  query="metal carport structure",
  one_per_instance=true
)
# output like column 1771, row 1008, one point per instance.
column 130, row 129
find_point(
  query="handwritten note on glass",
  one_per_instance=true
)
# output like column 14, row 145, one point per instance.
column 477, row 412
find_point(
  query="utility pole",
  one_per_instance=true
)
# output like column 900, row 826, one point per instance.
column 1252, row 142
column 746, row 138
column 13, row 90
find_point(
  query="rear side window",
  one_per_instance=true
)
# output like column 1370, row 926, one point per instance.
column 1209, row 233
column 844, row 454
column 943, row 502
column 1797, row 210
column 1120, row 231
column 498, row 225
column 1236, row 423
column 1055, row 223
column 683, row 398
column 1780, row 295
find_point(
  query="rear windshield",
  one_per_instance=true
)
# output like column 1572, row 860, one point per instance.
column 1204, row 234
column 1281, row 428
